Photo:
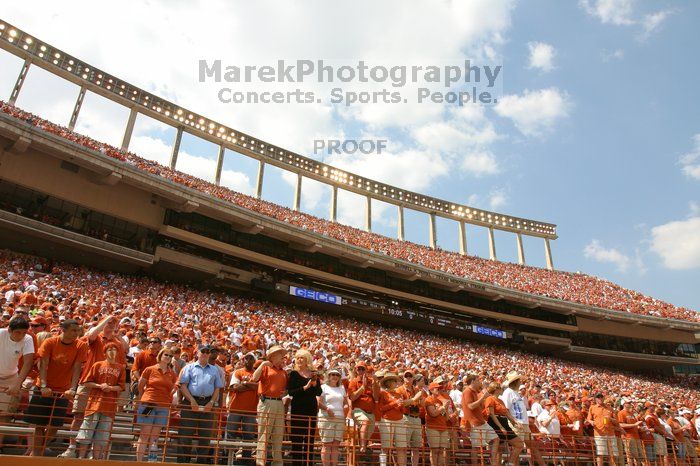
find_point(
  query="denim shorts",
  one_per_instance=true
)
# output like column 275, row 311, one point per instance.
column 155, row 415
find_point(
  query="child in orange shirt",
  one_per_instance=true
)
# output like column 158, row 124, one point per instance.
column 105, row 379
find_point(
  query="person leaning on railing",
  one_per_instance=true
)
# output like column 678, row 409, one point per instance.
column 242, row 404
column 200, row 383
column 272, row 385
column 156, row 387
column 363, row 392
column 15, row 344
column 500, row 419
column 332, row 404
column 60, row 360
column 104, row 381
column 304, row 385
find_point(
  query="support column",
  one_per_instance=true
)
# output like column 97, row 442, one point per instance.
column 176, row 148
column 400, row 219
column 462, row 238
column 368, row 215
column 548, row 254
column 334, row 203
column 219, row 164
column 432, row 233
column 297, row 193
column 129, row 129
column 492, row 246
column 76, row 108
column 20, row 80
column 521, row 251
column 259, row 181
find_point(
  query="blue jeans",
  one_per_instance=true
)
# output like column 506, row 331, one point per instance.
column 243, row 426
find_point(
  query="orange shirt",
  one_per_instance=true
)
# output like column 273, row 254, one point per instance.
column 472, row 417
column 603, row 420
column 96, row 353
column 435, row 422
column 243, row 401
column 499, row 408
column 159, row 386
column 143, row 360
column 564, row 421
column 365, row 401
column 575, row 415
column 409, row 392
column 273, row 382
column 675, row 426
column 100, row 401
column 390, row 405
column 61, row 359
column 625, row 417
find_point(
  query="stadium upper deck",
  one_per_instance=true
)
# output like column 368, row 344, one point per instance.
column 596, row 295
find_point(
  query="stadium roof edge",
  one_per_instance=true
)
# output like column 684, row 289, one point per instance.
column 54, row 60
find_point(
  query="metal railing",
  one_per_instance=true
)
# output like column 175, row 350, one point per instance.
column 32, row 424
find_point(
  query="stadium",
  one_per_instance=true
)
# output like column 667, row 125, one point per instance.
column 98, row 236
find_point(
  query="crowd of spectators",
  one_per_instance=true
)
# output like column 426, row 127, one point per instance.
column 189, row 317
column 573, row 287
column 186, row 324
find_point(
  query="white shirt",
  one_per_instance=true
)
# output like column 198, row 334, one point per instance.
column 456, row 397
column 333, row 397
column 11, row 351
column 697, row 425
column 553, row 428
column 515, row 404
column 9, row 296
column 535, row 409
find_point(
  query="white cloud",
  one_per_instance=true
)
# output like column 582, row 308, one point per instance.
column 653, row 21
column 678, row 243
column 541, row 56
column 612, row 55
column 621, row 13
column 497, row 199
column 691, row 161
column 480, row 163
column 535, row 113
column 595, row 251
column 617, row 12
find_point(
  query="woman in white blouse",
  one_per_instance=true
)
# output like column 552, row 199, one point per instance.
column 331, row 417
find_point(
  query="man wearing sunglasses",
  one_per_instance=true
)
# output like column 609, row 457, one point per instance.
column 200, row 383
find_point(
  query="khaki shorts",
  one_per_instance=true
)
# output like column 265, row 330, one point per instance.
column 331, row 429
column 606, row 445
column 414, row 432
column 8, row 403
column 393, row 434
column 482, row 435
column 521, row 430
column 438, row 439
column 362, row 417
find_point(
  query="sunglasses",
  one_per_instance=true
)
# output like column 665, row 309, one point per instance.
column 334, row 375
column 360, row 369
column 408, row 376
column 167, row 355
column 205, row 351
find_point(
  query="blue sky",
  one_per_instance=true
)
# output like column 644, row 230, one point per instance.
column 596, row 131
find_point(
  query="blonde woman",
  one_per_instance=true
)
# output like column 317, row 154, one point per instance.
column 303, row 386
column 332, row 404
